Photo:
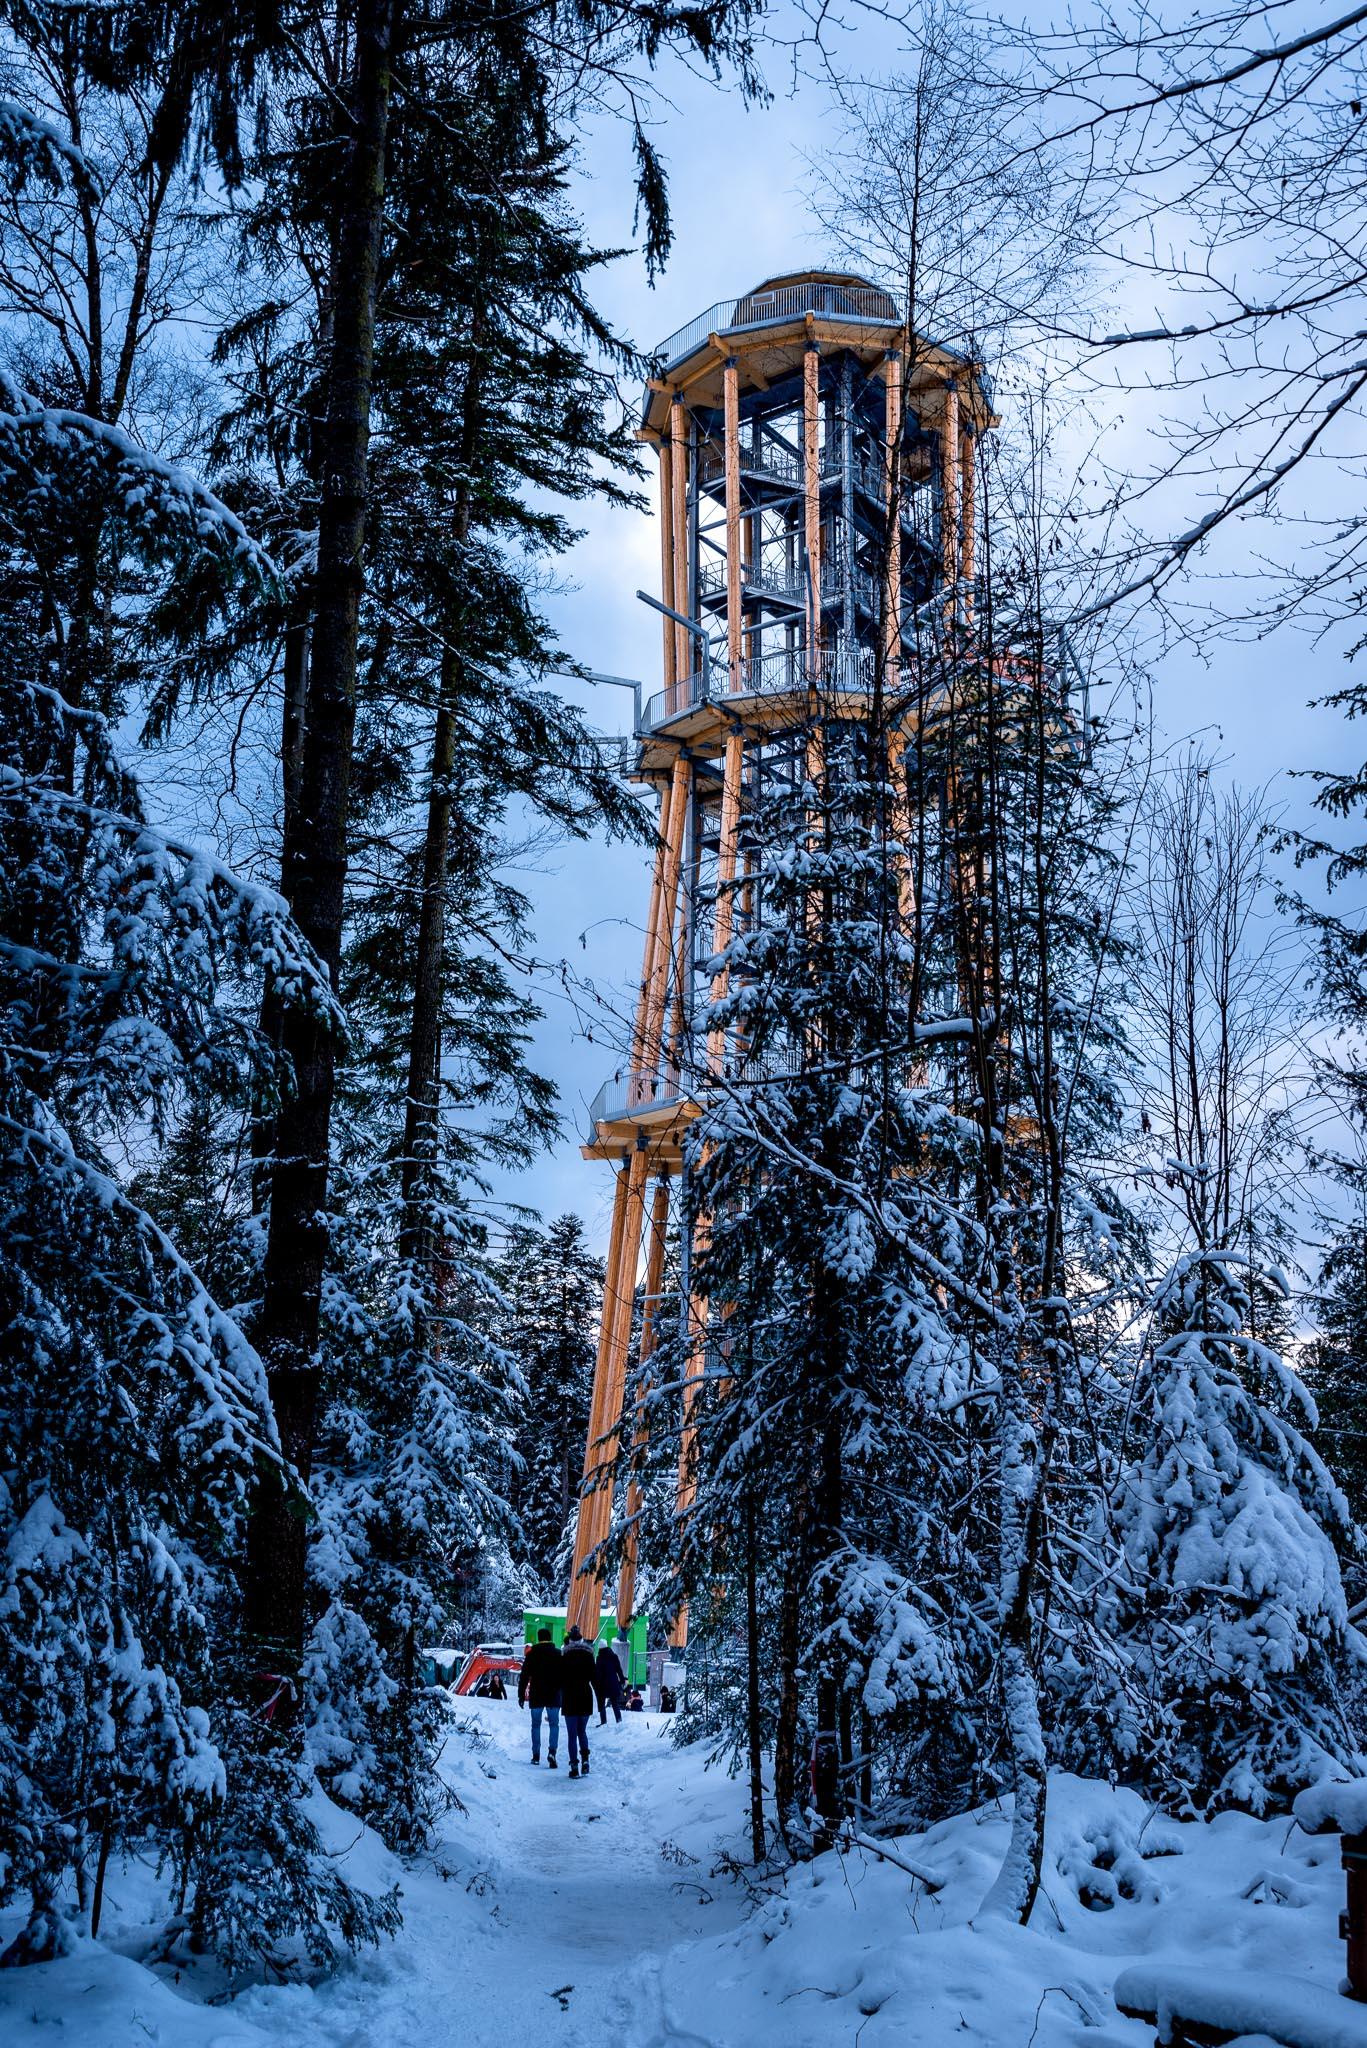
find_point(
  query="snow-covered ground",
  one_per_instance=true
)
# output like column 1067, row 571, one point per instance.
column 574, row 1913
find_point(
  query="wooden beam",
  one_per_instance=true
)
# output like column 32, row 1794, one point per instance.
column 678, row 435
column 731, row 392
column 619, row 1346
column 892, row 596
column 811, row 477
column 583, row 1524
column 724, row 913
column 949, row 486
column 667, row 563
column 652, row 940
column 657, row 982
column 969, row 497
column 655, row 1261
column 901, row 828
column 694, row 1372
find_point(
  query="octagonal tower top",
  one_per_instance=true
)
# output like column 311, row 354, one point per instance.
column 767, row 329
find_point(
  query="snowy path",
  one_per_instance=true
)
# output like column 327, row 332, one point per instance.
column 554, row 1914
column 554, row 1929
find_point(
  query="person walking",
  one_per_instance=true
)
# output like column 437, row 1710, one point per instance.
column 576, row 1698
column 539, row 1682
column 607, row 1684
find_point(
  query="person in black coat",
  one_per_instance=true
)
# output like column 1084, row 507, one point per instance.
column 607, row 1684
column 539, row 1682
column 576, row 1699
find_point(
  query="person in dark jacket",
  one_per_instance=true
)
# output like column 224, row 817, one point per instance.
column 539, row 1682
column 607, row 1684
column 576, row 1699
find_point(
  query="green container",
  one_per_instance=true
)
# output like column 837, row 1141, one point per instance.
column 553, row 1618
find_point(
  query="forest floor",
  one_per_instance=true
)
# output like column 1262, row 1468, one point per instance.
column 562, row 1913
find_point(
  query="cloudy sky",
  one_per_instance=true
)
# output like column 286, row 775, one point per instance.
column 738, row 181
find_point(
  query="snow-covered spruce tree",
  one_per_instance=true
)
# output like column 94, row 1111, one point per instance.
column 1229, row 1598
column 133, row 1409
column 1335, row 1360
column 553, row 1285
column 489, row 405
column 1233, row 1680
column 378, row 127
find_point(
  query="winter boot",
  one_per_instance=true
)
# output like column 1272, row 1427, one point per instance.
column 552, row 1762
column 574, row 1770
column 584, row 1768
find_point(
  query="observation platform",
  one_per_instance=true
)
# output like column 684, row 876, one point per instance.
column 636, row 1110
column 777, row 691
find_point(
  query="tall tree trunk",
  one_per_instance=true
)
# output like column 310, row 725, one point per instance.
column 1013, row 1891
column 786, row 1798
column 1023, row 1447
column 753, row 1722
column 423, row 1110
column 422, row 1116
column 315, row 860
column 827, row 1750
column 294, row 684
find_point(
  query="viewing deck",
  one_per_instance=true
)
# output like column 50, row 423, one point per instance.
column 636, row 1105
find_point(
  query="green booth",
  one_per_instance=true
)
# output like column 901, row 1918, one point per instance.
column 553, row 1618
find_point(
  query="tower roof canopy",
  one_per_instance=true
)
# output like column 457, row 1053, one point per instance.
column 768, row 327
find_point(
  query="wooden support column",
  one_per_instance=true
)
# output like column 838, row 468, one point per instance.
column 695, row 1370
column 731, row 771
column 655, row 1263
column 667, row 568
column 584, row 1518
column 652, row 940
column 949, row 491
column 968, row 492
column 892, row 594
column 847, row 507
column 656, row 987
column 620, row 1346
column 811, row 477
column 677, row 592
column 901, row 827
column 734, row 621
column 724, row 917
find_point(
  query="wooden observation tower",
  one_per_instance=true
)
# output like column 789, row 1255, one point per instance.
column 816, row 496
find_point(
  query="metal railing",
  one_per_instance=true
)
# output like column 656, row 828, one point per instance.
column 781, row 670
column 765, row 459
column 632, row 1091
column 834, row 572
column 861, row 305
column 673, row 701
column 783, row 580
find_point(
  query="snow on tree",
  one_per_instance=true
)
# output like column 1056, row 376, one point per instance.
column 553, row 1285
column 134, row 1409
column 1227, row 1591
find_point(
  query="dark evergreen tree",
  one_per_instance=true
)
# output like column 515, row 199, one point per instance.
column 132, row 1407
column 1335, row 1365
column 554, row 1288
column 1226, row 1599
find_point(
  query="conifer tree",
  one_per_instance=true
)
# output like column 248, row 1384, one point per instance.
column 1335, row 1362
column 554, row 1286
column 1229, row 1598
column 134, row 1410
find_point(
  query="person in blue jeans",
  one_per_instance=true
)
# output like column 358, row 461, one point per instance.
column 538, row 1682
column 576, row 1699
